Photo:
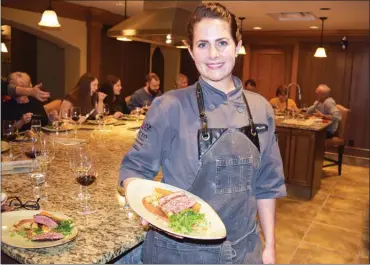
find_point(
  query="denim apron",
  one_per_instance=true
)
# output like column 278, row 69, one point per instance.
column 228, row 161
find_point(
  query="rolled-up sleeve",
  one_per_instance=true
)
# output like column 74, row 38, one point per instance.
column 270, row 181
column 334, row 111
column 144, row 158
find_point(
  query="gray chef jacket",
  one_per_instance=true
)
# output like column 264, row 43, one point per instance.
column 168, row 137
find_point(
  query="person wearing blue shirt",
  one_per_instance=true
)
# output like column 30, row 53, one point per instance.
column 217, row 141
column 143, row 97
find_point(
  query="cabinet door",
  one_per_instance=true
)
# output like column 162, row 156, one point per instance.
column 301, row 159
column 283, row 136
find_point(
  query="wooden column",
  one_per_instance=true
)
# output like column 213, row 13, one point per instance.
column 294, row 76
column 246, row 64
column 94, row 30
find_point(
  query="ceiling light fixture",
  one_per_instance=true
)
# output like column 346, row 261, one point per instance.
column 314, row 27
column 49, row 18
column 168, row 41
column 123, row 39
column 320, row 51
column 242, row 49
column 3, row 46
column 181, row 45
column 257, row 28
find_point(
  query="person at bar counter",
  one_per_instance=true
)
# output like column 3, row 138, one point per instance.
column 23, row 108
column 250, row 85
column 84, row 95
column 182, row 81
column 325, row 107
column 280, row 101
column 112, row 87
column 145, row 95
column 232, row 163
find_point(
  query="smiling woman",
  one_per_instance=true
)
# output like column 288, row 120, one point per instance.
column 205, row 139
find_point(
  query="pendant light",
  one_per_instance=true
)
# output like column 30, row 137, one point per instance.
column 320, row 51
column 3, row 46
column 49, row 18
column 242, row 49
column 124, row 38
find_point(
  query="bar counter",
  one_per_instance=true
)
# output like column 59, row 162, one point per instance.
column 103, row 235
column 302, row 148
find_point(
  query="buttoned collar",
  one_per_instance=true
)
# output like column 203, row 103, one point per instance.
column 214, row 97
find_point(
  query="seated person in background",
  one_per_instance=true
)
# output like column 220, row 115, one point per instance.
column 84, row 95
column 144, row 96
column 280, row 102
column 325, row 108
column 22, row 108
column 112, row 87
column 10, row 90
column 181, row 81
column 250, row 85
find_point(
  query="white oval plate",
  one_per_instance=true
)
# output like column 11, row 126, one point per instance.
column 69, row 127
column 8, row 219
column 140, row 188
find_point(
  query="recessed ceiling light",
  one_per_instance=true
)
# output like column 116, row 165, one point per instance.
column 257, row 28
column 314, row 27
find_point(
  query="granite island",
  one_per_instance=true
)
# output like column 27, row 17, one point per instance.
column 103, row 235
column 302, row 148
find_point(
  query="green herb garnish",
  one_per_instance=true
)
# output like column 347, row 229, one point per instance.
column 65, row 227
column 38, row 230
column 187, row 221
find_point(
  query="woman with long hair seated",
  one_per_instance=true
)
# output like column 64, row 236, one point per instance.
column 84, row 95
column 112, row 87
column 23, row 108
column 280, row 101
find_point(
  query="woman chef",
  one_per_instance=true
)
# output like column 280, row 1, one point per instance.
column 217, row 141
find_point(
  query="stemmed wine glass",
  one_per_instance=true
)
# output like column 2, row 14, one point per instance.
column 36, row 127
column 106, row 111
column 10, row 134
column 54, row 117
column 75, row 115
column 76, row 153
column 37, row 178
column 65, row 115
column 45, row 154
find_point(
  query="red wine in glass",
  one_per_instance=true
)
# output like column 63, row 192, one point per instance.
column 86, row 180
column 32, row 154
column 10, row 137
column 75, row 118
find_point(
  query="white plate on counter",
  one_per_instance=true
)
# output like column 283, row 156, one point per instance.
column 10, row 238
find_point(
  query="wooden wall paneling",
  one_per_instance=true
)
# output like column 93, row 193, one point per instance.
column 187, row 66
column 94, row 31
column 359, row 126
column 24, row 57
column 238, row 67
column 270, row 67
column 128, row 60
column 246, row 64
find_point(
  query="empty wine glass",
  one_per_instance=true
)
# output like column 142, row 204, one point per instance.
column 136, row 112
column 10, row 134
column 36, row 127
column 65, row 115
column 55, row 119
column 37, row 178
column 45, row 154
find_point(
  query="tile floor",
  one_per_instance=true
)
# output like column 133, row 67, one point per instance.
column 333, row 228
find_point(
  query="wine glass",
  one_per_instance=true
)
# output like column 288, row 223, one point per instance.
column 80, row 163
column 136, row 112
column 65, row 115
column 36, row 127
column 55, row 119
column 75, row 115
column 146, row 105
column 86, row 179
column 37, row 178
column 10, row 134
column 45, row 154
column 106, row 111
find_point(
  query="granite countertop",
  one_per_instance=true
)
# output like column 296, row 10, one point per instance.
column 103, row 235
column 302, row 124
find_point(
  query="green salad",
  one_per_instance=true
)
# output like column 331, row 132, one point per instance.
column 188, row 221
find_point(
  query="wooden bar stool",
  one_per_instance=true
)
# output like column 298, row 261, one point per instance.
column 338, row 141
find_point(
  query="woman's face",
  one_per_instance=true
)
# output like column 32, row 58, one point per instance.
column 282, row 97
column 117, row 88
column 183, row 83
column 214, row 50
column 94, row 86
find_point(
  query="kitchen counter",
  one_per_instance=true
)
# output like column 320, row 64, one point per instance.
column 302, row 149
column 103, row 235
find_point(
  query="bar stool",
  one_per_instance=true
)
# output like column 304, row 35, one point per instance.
column 338, row 141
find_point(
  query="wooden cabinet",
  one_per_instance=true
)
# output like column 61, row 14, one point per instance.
column 302, row 152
